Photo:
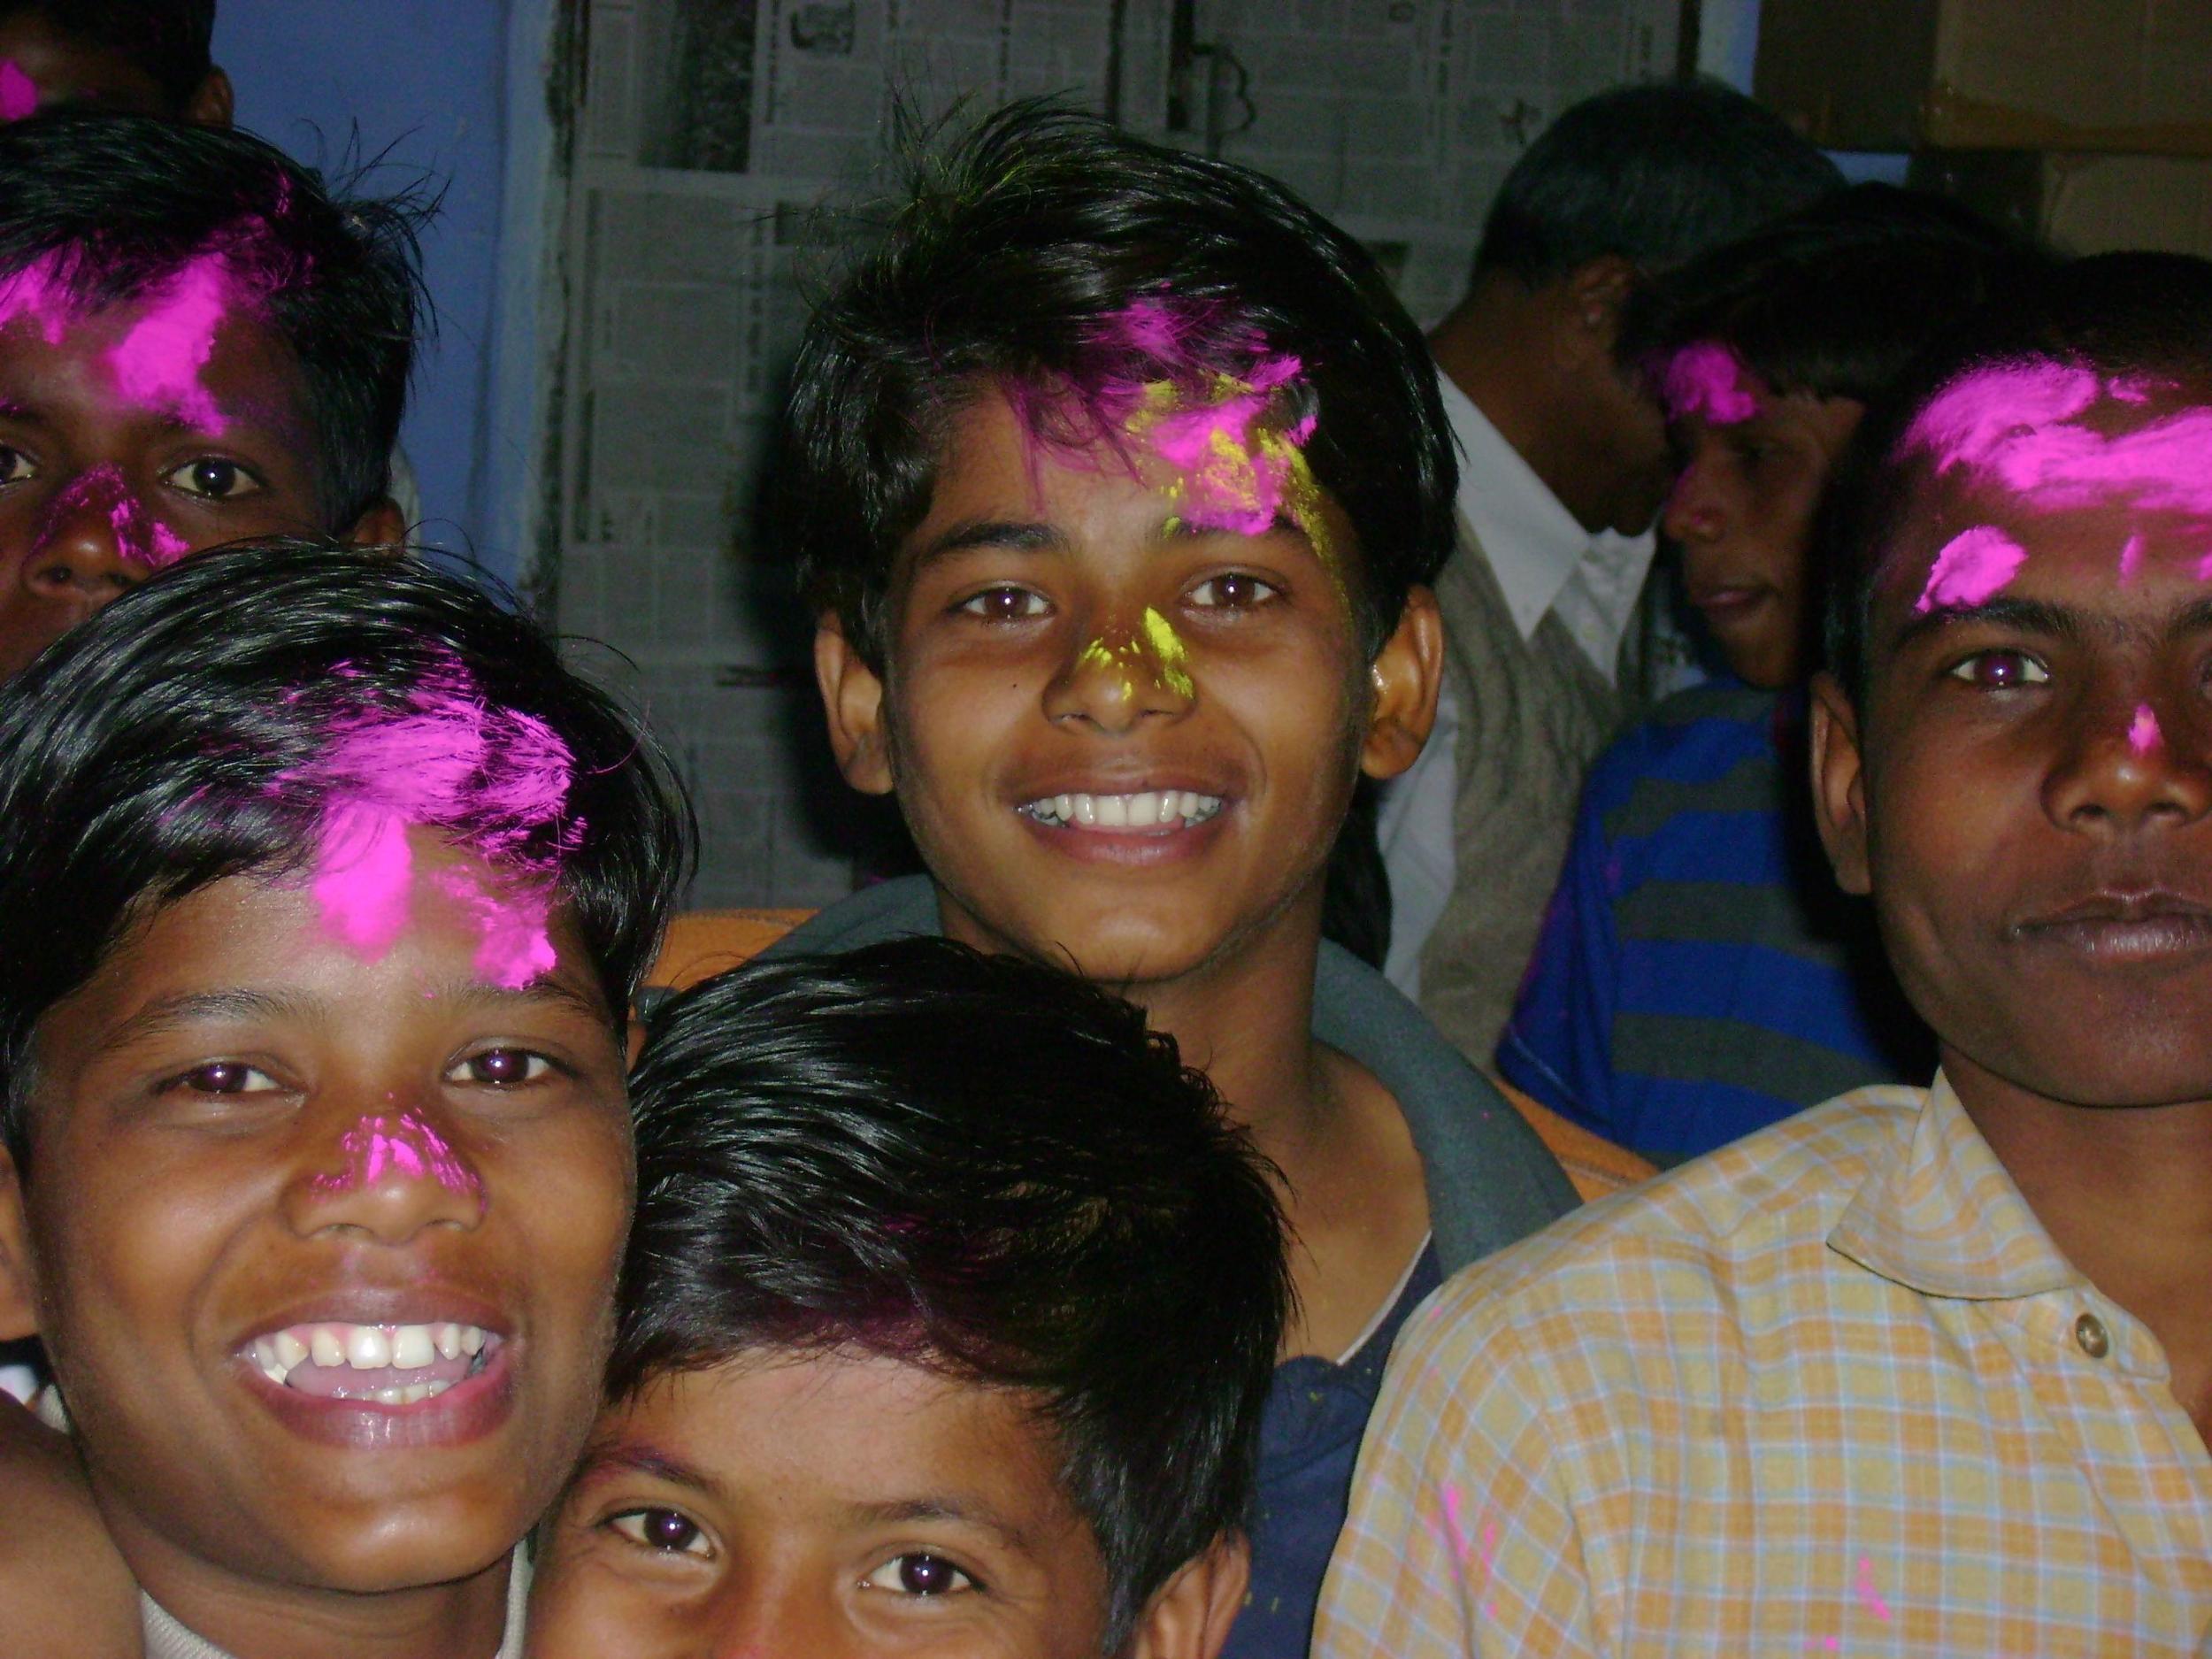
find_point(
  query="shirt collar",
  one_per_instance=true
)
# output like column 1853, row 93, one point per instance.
column 1533, row 544
column 1940, row 1215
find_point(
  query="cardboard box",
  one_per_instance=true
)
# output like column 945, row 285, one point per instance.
column 2125, row 75
column 2083, row 203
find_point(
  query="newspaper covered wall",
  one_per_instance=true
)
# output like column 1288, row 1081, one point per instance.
column 709, row 131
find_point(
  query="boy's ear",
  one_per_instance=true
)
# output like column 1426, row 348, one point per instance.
column 1407, row 674
column 381, row 525
column 852, row 697
column 1188, row 1617
column 18, row 1296
column 1597, row 292
column 1839, row 782
column 212, row 101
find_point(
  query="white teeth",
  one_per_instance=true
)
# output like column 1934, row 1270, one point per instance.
column 1147, row 808
column 323, row 1343
column 289, row 1349
column 448, row 1339
column 368, row 1348
column 411, row 1346
column 391, row 1396
column 471, row 1339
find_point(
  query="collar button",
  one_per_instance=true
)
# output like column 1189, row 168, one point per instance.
column 2090, row 1334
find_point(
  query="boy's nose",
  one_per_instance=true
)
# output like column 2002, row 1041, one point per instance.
column 1692, row 510
column 2126, row 771
column 1114, row 681
column 387, row 1174
column 82, row 552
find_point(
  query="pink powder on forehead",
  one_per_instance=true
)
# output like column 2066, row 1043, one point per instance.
column 514, row 942
column 2143, row 734
column 40, row 292
column 1972, row 566
column 158, row 361
column 378, row 1147
column 1706, row 378
column 19, row 93
column 493, row 781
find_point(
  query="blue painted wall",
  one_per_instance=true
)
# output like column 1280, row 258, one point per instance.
column 426, row 80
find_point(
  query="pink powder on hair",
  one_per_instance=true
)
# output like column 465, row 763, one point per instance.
column 19, row 93
column 2143, row 734
column 1972, row 566
column 158, row 361
column 1706, row 378
column 404, row 1145
column 492, row 780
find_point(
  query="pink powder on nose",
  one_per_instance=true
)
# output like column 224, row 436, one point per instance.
column 140, row 538
column 1706, row 378
column 19, row 93
column 403, row 1146
column 158, row 361
column 2143, row 734
column 1972, row 565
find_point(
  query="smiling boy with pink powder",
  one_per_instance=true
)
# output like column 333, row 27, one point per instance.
column 1918, row 1371
column 315, row 1158
column 197, row 345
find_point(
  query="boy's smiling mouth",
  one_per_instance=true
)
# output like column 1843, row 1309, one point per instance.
column 377, row 1365
column 1158, row 810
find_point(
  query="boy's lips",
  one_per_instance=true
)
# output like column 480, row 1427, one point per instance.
column 2116, row 926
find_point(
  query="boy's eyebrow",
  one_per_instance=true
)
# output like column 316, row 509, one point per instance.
column 470, row 993
column 646, row 1460
column 966, row 1510
column 167, row 1013
column 1005, row 535
column 2026, row 616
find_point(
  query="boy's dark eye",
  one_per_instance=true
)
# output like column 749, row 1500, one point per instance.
column 1005, row 604
column 226, row 1077
column 2002, row 671
column 505, row 1067
column 671, row 1531
column 15, row 466
column 919, row 1573
column 1233, row 591
column 215, row 479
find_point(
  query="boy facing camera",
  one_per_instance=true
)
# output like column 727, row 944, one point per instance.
column 197, row 345
column 1116, row 475
column 946, row 1320
column 1917, row 1372
column 315, row 1158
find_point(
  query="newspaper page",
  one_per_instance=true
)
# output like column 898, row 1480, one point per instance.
column 710, row 135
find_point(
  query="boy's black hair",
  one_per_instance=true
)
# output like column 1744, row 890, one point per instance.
column 981, row 1166
column 1837, row 300
column 1652, row 175
column 1013, row 255
column 114, row 205
column 172, row 741
column 169, row 42
column 2145, row 315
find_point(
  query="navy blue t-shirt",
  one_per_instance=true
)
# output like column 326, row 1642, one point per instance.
column 1310, row 1435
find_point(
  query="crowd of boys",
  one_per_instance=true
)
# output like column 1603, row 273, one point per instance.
column 1011, row 1259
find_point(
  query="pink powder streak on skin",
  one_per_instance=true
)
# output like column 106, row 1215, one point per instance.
column 158, row 361
column 1972, row 565
column 405, row 1145
column 1706, row 378
column 2017, row 424
column 2143, row 732
column 514, row 942
column 140, row 538
column 39, row 292
column 363, row 871
column 19, row 93
column 2131, row 559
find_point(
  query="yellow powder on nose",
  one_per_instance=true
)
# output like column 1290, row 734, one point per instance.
column 1169, row 651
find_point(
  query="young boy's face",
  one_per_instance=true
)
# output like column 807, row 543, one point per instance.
column 1123, row 744
column 1742, row 512
column 115, row 461
column 2025, row 788
column 833, row 1505
column 400, row 1188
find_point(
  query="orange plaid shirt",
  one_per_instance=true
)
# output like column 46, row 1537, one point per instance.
column 1832, row 1389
